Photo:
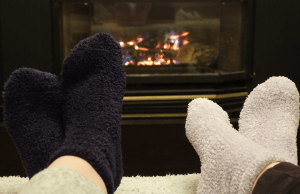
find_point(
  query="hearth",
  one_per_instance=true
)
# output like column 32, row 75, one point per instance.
column 172, row 51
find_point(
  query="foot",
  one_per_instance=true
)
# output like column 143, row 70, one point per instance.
column 94, row 83
column 270, row 116
column 230, row 162
column 32, row 115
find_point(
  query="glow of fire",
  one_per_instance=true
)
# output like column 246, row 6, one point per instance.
column 122, row 44
column 185, row 42
column 174, row 47
column 177, row 36
column 127, row 63
column 140, row 48
column 167, row 46
column 185, row 33
column 140, row 40
column 158, row 45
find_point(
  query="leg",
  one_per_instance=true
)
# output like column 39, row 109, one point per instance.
column 60, row 180
column 82, row 166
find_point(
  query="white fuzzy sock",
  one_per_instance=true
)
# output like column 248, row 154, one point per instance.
column 270, row 116
column 230, row 162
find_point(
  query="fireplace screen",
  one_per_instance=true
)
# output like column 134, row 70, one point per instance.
column 163, row 38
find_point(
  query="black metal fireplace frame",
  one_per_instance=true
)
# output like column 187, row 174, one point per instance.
column 246, row 59
column 163, row 99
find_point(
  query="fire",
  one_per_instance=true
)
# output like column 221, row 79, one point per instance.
column 185, row 42
column 167, row 46
column 130, row 43
column 158, row 45
column 177, row 36
column 185, row 33
column 127, row 63
column 140, row 48
column 172, row 44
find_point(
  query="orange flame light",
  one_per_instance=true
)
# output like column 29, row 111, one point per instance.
column 185, row 42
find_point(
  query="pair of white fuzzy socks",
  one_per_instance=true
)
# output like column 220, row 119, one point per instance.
column 232, row 160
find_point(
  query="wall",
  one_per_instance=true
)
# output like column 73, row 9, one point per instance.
column 277, row 40
column 25, row 36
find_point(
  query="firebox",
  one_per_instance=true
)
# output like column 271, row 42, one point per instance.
column 173, row 51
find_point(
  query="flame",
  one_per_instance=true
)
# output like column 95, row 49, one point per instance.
column 158, row 45
column 127, row 63
column 177, row 36
column 167, row 46
column 184, row 33
column 141, row 48
column 175, row 45
column 140, row 40
column 130, row 43
column 122, row 44
column 185, row 42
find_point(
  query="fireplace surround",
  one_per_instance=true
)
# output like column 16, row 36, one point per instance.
column 173, row 51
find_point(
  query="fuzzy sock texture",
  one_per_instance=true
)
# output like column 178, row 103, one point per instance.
column 32, row 116
column 270, row 116
column 94, row 83
column 230, row 162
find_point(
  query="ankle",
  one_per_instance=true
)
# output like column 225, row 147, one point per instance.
column 265, row 169
column 82, row 166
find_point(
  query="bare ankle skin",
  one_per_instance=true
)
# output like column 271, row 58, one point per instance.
column 267, row 167
column 82, row 166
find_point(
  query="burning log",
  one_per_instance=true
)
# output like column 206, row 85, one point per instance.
column 185, row 53
column 205, row 55
column 197, row 53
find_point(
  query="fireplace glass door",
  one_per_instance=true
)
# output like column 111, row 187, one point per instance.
column 204, row 37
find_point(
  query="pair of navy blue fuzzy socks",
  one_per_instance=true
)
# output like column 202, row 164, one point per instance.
column 81, row 116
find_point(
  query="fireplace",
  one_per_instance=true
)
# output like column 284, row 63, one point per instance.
column 172, row 51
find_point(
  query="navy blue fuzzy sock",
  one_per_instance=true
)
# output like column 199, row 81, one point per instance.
column 32, row 115
column 94, row 83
